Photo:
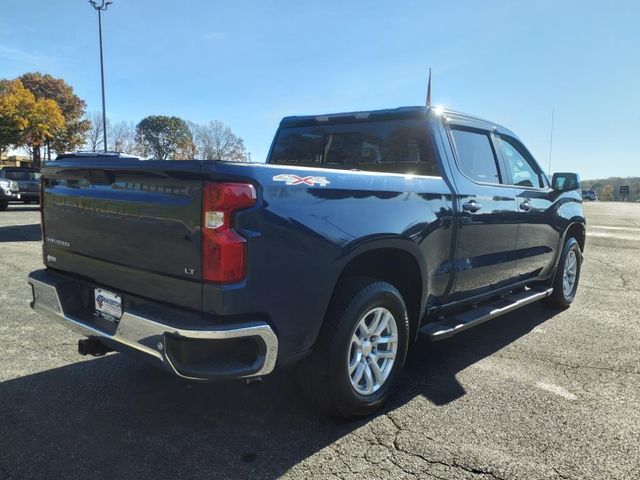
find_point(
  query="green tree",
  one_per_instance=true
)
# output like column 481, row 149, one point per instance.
column 71, row 135
column 24, row 119
column 163, row 137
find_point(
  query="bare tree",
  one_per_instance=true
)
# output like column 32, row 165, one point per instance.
column 216, row 141
column 122, row 138
column 93, row 138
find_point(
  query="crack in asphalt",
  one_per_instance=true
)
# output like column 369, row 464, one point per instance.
column 619, row 272
column 560, row 474
column 431, row 461
column 572, row 366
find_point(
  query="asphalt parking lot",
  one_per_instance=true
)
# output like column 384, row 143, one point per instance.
column 534, row 394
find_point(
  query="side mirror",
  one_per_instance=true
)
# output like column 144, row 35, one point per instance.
column 564, row 182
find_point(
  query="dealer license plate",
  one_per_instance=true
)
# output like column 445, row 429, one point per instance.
column 108, row 304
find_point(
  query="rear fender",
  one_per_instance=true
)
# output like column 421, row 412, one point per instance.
column 366, row 245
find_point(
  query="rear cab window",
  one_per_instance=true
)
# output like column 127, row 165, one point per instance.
column 392, row 146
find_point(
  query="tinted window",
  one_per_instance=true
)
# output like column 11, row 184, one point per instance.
column 522, row 172
column 475, row 156
column 299, row 146
column 399, row 146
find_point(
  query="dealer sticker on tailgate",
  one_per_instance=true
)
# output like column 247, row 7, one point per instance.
column 108, row 303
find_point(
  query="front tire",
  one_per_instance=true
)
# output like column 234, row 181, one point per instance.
column 565, row 281
column 360, row 351
column 3, row 205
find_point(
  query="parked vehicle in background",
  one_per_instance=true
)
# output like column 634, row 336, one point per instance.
column 590, row 195
column 27, row 180
column 362, row 231
column 8, row 192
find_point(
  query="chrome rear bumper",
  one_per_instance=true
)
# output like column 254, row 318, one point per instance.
column 155, row 338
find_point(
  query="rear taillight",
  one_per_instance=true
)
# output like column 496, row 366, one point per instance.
column 224, row 251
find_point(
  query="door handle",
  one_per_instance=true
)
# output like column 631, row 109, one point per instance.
column 471, row 206
column 526, row 206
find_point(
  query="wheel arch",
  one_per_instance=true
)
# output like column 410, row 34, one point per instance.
column 576, row 230
column 396, row 261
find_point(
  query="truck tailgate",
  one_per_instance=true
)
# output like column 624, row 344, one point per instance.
column 130, row 225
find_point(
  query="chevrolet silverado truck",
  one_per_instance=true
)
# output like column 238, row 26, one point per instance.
column 362, row 232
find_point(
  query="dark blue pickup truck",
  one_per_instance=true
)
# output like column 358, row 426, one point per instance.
column 362, row 231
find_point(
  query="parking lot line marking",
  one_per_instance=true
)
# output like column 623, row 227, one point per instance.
column 613, row 235
column 604, row 227
column 557, row 390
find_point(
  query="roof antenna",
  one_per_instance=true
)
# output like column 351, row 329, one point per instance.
column 429, row 90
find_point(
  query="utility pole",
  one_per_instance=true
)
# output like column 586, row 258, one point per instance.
column 102, row 7
column 553, row 111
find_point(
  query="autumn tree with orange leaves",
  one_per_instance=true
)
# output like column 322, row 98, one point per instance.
column 25, row 119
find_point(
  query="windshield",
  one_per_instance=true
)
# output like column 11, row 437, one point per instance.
column 22, row 175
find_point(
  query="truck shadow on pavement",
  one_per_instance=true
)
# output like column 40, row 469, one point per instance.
column 113, row 417
column 21, row 233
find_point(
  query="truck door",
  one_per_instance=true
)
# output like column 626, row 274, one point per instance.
column 485, row 256
column 537, row 240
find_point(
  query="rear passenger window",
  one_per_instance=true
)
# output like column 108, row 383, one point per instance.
column 476, row 158
column 396, row 146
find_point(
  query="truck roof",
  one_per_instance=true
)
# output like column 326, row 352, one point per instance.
column 399, row 113
column 82, row 154
column 347, row 117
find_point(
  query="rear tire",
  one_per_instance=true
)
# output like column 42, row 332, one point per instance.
column 565, row 281
column 3, row 206
column 366, row 323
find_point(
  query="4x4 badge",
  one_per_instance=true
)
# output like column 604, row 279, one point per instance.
column 290, row 179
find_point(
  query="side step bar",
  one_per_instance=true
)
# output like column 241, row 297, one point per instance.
column 462, row 321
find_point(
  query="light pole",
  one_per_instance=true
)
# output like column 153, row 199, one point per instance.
column 101, row 7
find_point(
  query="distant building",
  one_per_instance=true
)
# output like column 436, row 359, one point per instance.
column 15, row 160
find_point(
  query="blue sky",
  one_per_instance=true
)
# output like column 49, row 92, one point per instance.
column 249, row 63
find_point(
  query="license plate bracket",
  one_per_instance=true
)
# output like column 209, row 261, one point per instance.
column 108, row 304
